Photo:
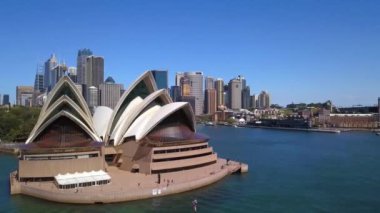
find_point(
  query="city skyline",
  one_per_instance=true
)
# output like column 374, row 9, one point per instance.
column 304, row 51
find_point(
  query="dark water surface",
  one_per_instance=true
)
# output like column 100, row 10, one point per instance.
column 288, row 172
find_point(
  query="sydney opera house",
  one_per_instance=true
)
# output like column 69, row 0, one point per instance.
column 146, row 146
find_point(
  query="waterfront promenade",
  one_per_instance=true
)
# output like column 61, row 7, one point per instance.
column 127, row 186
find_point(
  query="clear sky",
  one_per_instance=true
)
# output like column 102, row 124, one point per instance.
column 298, row 50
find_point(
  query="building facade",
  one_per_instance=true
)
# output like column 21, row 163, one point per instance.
column 81, row 65
column 5, row 99
column 94, row 70
column 219, row 87
column 24, row 95
column 235, row 90
column 175, row 93
column 210, row 101
column 264, row 100
column 39, row 81
column 49, row 65
column 161, row 78
column 110, row 93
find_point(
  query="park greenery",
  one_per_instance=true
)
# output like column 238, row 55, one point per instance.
column 17, row 122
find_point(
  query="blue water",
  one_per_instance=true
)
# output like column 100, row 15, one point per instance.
column 288, row 172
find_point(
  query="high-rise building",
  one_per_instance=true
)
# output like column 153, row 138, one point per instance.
column 190, row 100
column 264, row 100
column 39, row 79
column 178, row 77
column 94, row 70
column 196, row 90
column 253, row 101
column 161, row 78
column 56, row 73
column 226, row 95
column 219, row 87
column 175, row 93
column 209, row 83
column 72, row 73
column 185, row 86
column 210, row 101
column 234, row 95
column 110, row 93
column 1, row 100
column 92, row 97
column 246, row 98
column 49, row 65
column 6, row 99
column 81, row 65
column 24, row 95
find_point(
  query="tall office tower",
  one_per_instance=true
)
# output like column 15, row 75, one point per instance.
column 196, row 90
column 253, row 101
column 264, row 100
column 1, row 100
column 246, row 98
column 24, row 95
column 49, row 65
column 190, row 100
column 81, row 65
column 226, row 95
column 6, row 99
column 39, row 79
column 94, row 70
column 185, row 86
column 209, row 83
column 92, row 97
column 72, row 73
column 57, row 73
column 219, row 87
column 178, row 77
column 161, row 78
column 234, row 93
column 110, row 93
column 210, row 101
column 175, row 93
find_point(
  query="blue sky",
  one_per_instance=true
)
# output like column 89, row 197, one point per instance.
column 299, row 50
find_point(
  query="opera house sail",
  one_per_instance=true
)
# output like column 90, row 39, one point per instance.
column 144, row 140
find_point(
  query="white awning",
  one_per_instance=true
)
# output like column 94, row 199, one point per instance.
column 81, row 177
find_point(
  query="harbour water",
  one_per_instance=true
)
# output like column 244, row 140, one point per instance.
column 288, row 172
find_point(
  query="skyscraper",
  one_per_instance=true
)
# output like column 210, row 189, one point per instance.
column 92, row 97
column 246, row 97
column 94, row 71
column 81, row 65
column 219, row 87
column 209, row 83
column 1, row 100
column 264, row 100
column 5, row 99
column 234, row 95
column 56, row 73
column 210, row 101
column 161, row 78
column 253, row 101
column 24, row 95
column 178, row 77
column 185, row 86
column 110, row 93
column 175, row 93
column 196, row 90
column 49, row 65
column 72, row 73
column 39, row 80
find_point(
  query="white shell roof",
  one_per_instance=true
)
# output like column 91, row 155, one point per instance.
column 101, row 118
column 133, row 110
column 151, row 118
